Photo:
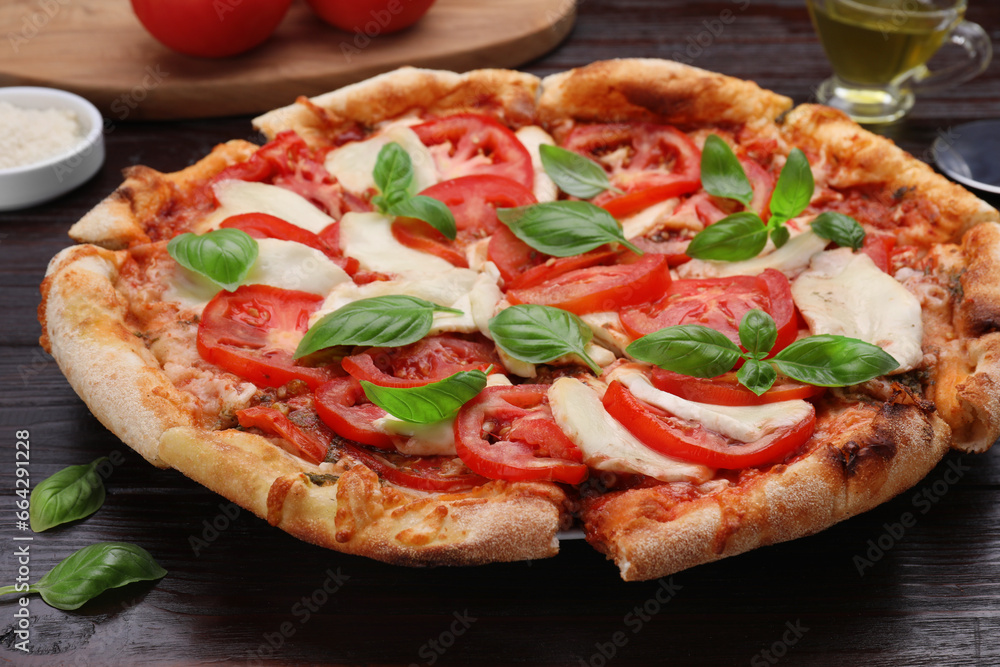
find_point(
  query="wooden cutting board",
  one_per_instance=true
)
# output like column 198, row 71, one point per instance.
column 98, row 49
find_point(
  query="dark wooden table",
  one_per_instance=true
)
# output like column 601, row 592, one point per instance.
column 869, row 591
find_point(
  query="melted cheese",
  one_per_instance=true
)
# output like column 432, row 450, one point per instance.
column 353, row 164
column 791, row 259
column 237, row 197
column 845, row 294
column 608, row 330
column 437, row 438
column 649, row 219
column 368, row 238
column 532, row 137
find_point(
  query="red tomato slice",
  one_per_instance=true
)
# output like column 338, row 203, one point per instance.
column 720, row 304
column 428, row 360
column 522, row 266
column 726, row 390
column 342, row 405
column 312, row 444
column 671, row 244
column 467, row 144
column 508, row 433
column 689, row 441
column 473, row 200
column 879, row 247
column 653, row 163
column 426, row 473
column 253, row 332
column 600, row 288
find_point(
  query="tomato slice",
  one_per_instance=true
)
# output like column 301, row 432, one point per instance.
column 428, row 360
column 473, row 200
column 720, row 304
column 253, row 333
column 426, row 473
column 522, row 266
column 879, row 247
column 342, row 405
column 467, row 144
column 649, row 162
column 600, row 288
column 509, row 433
column 312, row 443
column 726, row 389
column 689, row 441
column 671, row 244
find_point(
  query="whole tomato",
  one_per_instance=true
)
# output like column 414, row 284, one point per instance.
column 371, row 17
column 210, row 28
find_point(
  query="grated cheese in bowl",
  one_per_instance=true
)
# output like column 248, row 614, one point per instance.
column 29, row 136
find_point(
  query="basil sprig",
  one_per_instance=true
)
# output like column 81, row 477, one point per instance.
column 575, row 174
column 564, row 228
column 224, row 256
column 393, row 176
column 92, row 570
column 824, row 360
column 392, row 320
column 428, row 403
column 72, row 493
column 743, row 235
column 537, row 334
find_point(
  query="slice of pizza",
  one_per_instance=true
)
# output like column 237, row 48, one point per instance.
column 438, row 317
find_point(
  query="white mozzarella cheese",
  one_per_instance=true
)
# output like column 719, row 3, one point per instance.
column 237, row 197
column 649, row 219
column 844, row 293
column 437, row 438
column 606, row 444
column 608, row 330
column 791, row 259
column 532, row 136
column 368, row 238
column 743, row 423
column 353, row 164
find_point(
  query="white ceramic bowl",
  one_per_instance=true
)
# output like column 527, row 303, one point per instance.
column 27, row 185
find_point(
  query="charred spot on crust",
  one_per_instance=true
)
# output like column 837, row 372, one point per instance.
column 322, row 479
column 655, row 101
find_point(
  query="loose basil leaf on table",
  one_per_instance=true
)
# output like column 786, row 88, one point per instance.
column 722, row 175
column 429, row 403
column 381, row 321
column 72, row 493
column 393, row 176
column 224, row 256
column 537, row 334
column 575, row 174
column 842, row 229
column 564, row 228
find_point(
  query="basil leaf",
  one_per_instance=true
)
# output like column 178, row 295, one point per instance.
column 689, row 349
column 393, row 172
column 794, row 188
column 564, row 228
column 780, row 235
column 92, row 570
column 381, row 321
column 224, row 256
column 428, row 209
column 842, row 229
column 736, row 237
column 757, row 376
column 574, row 174
column 833, row 361
column 538, row 334
column 70, row 494
column 722, row 174
column 429, row 403
column 758, row 333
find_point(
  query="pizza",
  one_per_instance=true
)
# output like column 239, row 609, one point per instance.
column 438, row 318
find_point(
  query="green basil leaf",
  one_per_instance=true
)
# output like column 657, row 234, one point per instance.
column 833, row 361
column 70, row 494
column 722, row 174
column 393, row 320
column 794, row 188
column 758, row 333
column 538, row 334
column 393, row 172
column 689, row 349
column 842, row 229
column 780, row 235
column 757, row 376
column 428, row 209
column 224, row 256
column 429, row 403
column 736, row 237
column 574, row 174
column 564, row 228
column 92, row 570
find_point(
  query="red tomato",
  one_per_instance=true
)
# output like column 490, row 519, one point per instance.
column 428, row 360
column 509, row 433
column 720, row 304
column 879, row 247
column 371, row 17
column 342, row 405
column 656, row 162
column 427, row 473
column 253, row 332
column 311, row 444
column 726, row 390
column 689, row 441
column 601, row 288
column 210, row 29
column 265, row 226
column 468, row 144
column 522, row 266
column 474, row 201
column 671, row 244
column 708, row 210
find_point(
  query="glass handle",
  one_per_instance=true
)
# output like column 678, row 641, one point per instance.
column 975, row 41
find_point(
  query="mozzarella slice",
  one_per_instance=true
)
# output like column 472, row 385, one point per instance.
column 353, row 164
column 368, row 238
column 606, row 444
column 844, row 293
column 791, row 259
column 532, row 136
column 237, row 197
column 437, row 438
column 608, row 330
column 649, row 219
